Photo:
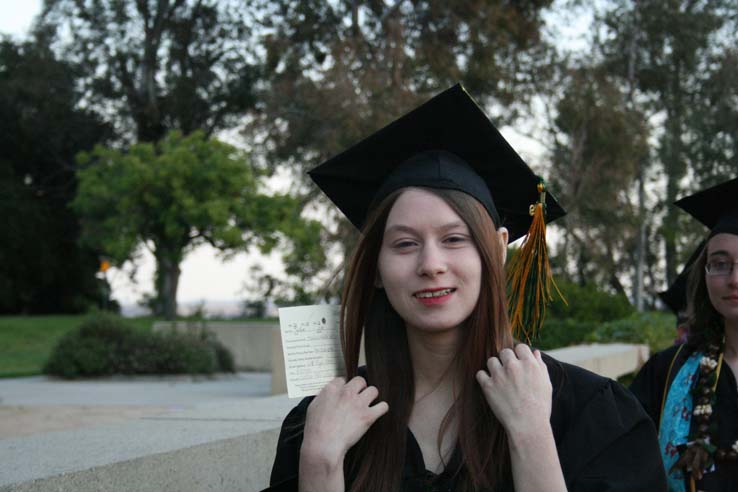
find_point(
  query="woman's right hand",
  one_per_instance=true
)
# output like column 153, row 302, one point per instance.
column 336, row 419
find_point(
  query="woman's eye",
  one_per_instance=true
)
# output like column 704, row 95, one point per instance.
column 719, row 266
column 456, row 239
column 403, row 244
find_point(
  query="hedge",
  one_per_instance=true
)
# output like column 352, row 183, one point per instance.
column 104, row 344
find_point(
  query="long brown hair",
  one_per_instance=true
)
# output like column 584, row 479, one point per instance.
column 375, row 463
column 705, row 324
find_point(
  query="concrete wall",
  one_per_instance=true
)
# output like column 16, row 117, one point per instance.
column 224, row 447
column 255, row 346
column 279, row 383
column 258, row 347
column 250, row 343
column 233, row 465
column 611, row 360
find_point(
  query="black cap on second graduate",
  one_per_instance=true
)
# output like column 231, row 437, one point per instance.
column 715, row 207
column 448, row 143
column 676, row 295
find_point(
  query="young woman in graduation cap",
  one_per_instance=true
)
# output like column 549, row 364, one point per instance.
column 447, row 400
column 690, row 390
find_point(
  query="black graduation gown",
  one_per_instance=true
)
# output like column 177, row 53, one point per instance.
column 648, row 386
column 605, row 441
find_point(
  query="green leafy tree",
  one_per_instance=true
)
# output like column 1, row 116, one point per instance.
column 713, row 139
column 668, row 69
column 43, row 269
column 164, row 64
column 336, row 71
column 176, row 194
column 599, row 144
column 676, row 45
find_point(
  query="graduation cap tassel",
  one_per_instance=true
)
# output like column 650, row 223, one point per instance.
column 529, row 279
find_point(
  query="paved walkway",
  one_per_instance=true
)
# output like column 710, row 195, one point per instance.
column 39, row 404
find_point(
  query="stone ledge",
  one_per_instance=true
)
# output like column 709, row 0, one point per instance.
column 225, row 447
column 611, row 360
column 249, row 342
column 229, row 465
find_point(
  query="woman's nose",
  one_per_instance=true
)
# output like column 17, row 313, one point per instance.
column 733, row 275
column 431, row 261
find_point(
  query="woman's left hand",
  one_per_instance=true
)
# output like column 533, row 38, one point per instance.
column 518, row 389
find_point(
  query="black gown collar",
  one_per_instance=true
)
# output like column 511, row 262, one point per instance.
column 415, row 476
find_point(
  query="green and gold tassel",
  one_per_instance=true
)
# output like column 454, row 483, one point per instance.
column 529, row 280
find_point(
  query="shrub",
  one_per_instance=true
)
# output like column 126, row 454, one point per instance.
column 104, row 345
column 184, row 353
column 90, row 349
column 573, row 323
column 588, row 303
column 557, row 333
column 653, row 328
column 224, row 357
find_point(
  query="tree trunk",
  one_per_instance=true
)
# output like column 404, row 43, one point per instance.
column 675, row 167
column 674, row 174
column 167, row 282
column 641, row 247
column 641, row 243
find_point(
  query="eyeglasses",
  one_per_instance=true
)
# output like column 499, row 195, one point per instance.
column 717, row 268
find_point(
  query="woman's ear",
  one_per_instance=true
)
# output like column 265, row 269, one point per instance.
column 503, row 235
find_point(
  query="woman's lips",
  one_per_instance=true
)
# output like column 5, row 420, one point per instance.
column 431, row 297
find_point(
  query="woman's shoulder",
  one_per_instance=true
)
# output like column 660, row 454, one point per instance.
column 576, row 381
column 573, row 381
column 581, row 394
column 290, row 434
column 287, row 459
column 601, row 430
column 650, row 382
column 663, row 359
column 300, row 409
column 652, row 376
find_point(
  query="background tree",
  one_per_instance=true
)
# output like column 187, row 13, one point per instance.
column 176, row 194
column 678, row 43
column 713, row 138
column 42, row 268
column 163, row 64
column 665, row 68
column 599, row 144
column 337, row 71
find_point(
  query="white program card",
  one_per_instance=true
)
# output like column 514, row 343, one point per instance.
column 312, row 347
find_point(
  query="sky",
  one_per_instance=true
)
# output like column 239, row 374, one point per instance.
column 206, row 277
column 17, row 16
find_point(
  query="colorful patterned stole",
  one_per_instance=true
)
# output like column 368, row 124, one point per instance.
column 676, row 417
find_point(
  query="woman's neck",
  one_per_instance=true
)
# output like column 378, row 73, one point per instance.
column 433, row 356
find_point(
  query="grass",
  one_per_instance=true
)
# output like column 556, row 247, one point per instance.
column 27, row 341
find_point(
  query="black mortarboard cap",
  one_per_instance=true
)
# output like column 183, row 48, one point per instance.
column 676, row 295
column 715, row 207
column 449, row 143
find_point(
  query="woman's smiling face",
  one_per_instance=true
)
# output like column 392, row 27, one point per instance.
column 428, row 263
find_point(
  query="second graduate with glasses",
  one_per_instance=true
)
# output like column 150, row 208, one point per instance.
column 448, row 401
column 690, row 389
